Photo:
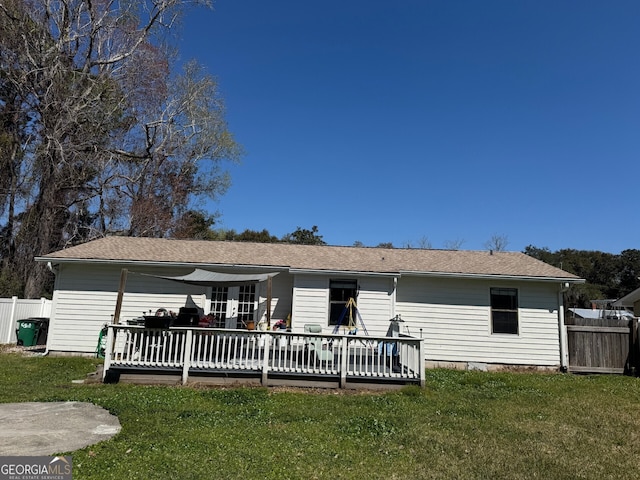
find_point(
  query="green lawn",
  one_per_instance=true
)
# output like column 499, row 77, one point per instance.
column 463, row 425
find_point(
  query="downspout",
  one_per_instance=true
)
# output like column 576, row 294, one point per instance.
column 269, row 294
column 53, row 270
column 564, row 346
column 393, row 297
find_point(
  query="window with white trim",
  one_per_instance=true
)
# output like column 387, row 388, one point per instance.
column 340, row 291
column 504, row 310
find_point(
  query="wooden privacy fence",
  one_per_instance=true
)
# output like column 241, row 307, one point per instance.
column 604, row 345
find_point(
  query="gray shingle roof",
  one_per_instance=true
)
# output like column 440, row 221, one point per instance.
column 310, row 257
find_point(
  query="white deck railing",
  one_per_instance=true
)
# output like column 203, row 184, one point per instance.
column 270, row 354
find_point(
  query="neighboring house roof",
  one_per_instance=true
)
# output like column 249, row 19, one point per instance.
column 628, row 300
column 594, row 314
column 293, row 257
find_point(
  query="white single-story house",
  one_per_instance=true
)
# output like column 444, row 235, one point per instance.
column 470, row 307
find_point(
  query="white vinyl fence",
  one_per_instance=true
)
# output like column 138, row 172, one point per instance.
column 14, row 309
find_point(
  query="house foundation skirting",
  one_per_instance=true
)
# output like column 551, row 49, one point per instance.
column 490, row 367
column 240, row 379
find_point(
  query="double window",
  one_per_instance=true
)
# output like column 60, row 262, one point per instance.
column 504, row 310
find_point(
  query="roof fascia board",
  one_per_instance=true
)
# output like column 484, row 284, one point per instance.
column 344, row 273
column 54, row 261
column 492, row 277
column 144, row 263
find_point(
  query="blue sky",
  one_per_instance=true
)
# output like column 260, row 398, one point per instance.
column 450, row 120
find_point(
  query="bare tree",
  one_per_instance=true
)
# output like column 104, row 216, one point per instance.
column 166, row 150
column 455, row 244
column 103, row 137
column 424, row 243
column 497, row 243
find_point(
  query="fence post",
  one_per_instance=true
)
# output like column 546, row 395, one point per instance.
column 108, row 351
column 344, row 361
column 9, row 318
column 423, row 373
column 123, row 282
column 265, row 359
column 14, row 305
column 633, row 347
column 188, row 345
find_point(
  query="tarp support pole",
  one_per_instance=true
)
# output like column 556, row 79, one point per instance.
column 269, row 303
column 123, row 283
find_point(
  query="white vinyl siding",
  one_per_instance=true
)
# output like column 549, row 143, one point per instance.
column 452, row 315
column 281, row 288
column 85, row 299
column 310, row 301
column 455, row 318
column 374, row 304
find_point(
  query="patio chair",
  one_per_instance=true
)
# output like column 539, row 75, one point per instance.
column 314, row 344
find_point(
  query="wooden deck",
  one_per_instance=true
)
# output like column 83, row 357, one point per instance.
column 268, row 358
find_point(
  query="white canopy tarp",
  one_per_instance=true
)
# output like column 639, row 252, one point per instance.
column 217, row 279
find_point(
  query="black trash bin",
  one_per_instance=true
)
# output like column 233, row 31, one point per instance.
column 32, row 331
column 43, row 331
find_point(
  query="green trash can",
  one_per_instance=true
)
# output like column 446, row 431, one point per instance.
column 29, row 330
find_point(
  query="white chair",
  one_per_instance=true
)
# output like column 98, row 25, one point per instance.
column 315, row 345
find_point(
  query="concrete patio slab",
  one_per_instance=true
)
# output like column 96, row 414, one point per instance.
column 53, row 427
